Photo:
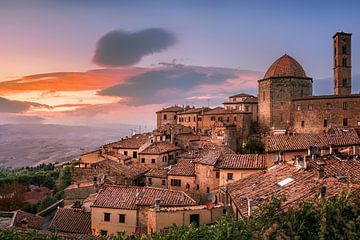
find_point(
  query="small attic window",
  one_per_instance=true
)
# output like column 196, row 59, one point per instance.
column 285, row 181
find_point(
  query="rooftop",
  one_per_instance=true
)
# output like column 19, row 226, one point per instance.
column 160, row 147
column 71, row 221
column 157, row 173
column 221, row 110
column 133, row 142
column 242, row 161
column 285, row 66
column 242, row 95
column 182, row 168
column 171, row 109
column 129, row 197
column 282, row 181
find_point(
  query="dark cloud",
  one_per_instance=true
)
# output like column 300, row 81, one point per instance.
column 121, row 48
column 10, row 106
column 168, row 84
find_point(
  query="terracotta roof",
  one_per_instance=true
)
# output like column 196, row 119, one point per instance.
column 302, row 141
column 343, row 137
column 171, row 109
column 210, row 153
column 347, row 169
column 221, row 110
column 128, row 197
column 133, row 142
column 160, row 147
column 131, row 170
column 285, row 66
column 183, row 168
column 34, row 221
column 242, row 161
column 157, row 173
column 195, row 110
column 246, row 100
column 119, row 156
column 71, row 221
column 281, row 181
column 242, row 95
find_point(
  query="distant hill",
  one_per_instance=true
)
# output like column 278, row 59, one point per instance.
column 31, row 144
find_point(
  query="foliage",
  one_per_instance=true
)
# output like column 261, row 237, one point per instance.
column 335, row 218
column 253, row 145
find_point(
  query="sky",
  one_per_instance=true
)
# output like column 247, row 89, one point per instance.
column 87, row 62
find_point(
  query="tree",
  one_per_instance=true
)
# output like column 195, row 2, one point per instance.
column 253, row 145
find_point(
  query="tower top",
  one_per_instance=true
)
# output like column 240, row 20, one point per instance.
column 342, row 33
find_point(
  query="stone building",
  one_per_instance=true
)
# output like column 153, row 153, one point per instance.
column 168, row 115
column 244, row 102
column 286, row 102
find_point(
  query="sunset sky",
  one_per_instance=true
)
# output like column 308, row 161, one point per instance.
column 107, row 62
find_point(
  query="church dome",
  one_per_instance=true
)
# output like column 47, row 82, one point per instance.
column 285, row 66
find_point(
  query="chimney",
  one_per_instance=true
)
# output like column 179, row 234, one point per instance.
column 321, row 169
column 157, row 204
column 322, row 192
column 249, row 208
column 24, row 223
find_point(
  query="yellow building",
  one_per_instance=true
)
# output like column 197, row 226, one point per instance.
column 159, row 154
column 125, row 209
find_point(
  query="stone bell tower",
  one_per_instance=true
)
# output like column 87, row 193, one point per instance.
column 342, row 63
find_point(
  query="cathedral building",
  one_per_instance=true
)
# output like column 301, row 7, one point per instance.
column 286, row 102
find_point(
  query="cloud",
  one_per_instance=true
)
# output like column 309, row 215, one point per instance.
column 10, row 106
column 120, row 48
column 15, row 118
column 178, row 84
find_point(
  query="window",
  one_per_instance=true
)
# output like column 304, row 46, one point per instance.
column 343, row 49
column 121, row 218
column 235, row 119
column 106, row 217
column 220, row 119
column 199, row 119
column 328, row 106
column 207, row 190
column 175, row 117
column 197, row 187
column 228, row 119
column 175, row 182
column 163, row 182
column 325, row 123
column 125, row 153
column 302, row 123
column 358, row 123
column 94, row 179
column 345, row 122
column 224, row 211
column 194, row 119
column 165, row 117
column 187, row 186
column 134, row 154
column 310, row 107
column 217, row 174
column 246, row 108
column 230, row 176
column 150, row 181
column 152, row 160
column 142, row 160
column 298, row 108
column 103, row 232
column 164, row 158
column 213, row 118
column 344, row 62
column 263, row 94
column 189, row 119
column 344, row 82
column 345, row 106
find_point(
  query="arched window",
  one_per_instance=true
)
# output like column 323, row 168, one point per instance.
column 344, row 62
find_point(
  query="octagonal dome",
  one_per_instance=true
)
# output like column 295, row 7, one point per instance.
column 285, row 66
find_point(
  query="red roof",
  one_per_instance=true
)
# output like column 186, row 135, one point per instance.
column 129, row 197
column 285, row 66
column 71, row 221
column 282, row 181
column 242, row 161
column 160, row 147
column 183, row 168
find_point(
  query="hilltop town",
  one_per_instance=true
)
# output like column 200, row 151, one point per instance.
column 201, row 164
